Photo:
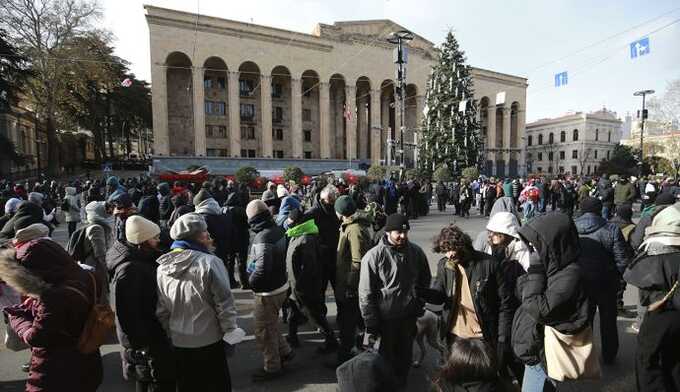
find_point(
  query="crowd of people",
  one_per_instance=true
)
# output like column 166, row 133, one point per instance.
column 166, row 258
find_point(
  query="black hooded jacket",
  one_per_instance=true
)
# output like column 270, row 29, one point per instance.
column 27, row 214
column 133, row 295
column 553, row 291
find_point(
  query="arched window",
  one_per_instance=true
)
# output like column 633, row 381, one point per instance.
column 597, row 134
column 540, row 139
column 563, row 137
column 551, row 138
column 575, row 135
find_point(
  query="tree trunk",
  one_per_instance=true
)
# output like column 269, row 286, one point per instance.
column 109, row 135
column 52, row 147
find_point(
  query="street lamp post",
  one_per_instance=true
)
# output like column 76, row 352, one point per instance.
column 643, row 116
column 676, row 165
column 400, row 58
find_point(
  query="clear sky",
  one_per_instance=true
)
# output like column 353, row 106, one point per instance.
column 530, row 38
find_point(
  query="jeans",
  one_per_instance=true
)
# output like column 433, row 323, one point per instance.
column 536, row 379
column 605, row 212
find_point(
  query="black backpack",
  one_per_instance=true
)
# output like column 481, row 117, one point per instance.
column 76, row 244
column 65, row 205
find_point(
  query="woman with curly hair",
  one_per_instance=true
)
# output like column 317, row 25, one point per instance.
column 471, row 287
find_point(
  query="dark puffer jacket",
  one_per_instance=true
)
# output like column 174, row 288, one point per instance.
column 492, row 298
column 219, row 227
column 134, row 295
column 149, row 207
column 303, row 261
column 553, row 290
column 604, row 252
column 268, row 253
column 28, row 213
column 52, row 323
column 165, row 206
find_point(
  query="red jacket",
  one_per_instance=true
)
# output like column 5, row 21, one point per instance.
column 51, row 321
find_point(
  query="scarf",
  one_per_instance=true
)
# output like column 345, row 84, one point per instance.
column 190, row 245
column 308, row 227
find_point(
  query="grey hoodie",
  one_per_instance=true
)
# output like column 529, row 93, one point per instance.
column 195, row 304
column 209, row 207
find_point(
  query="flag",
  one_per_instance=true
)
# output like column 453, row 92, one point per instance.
column 126, row 83
column 347, row 113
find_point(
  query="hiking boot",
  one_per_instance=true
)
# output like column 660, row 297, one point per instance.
column 263, row 375
column 293, row 341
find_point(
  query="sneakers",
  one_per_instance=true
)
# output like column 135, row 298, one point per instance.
column 263, row 375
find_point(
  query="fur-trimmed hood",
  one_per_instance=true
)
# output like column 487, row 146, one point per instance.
column 19, row 277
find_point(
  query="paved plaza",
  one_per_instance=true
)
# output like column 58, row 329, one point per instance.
column 306, row 372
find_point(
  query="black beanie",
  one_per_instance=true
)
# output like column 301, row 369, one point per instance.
column 345, row 206
column 295, row 215
column 397, row 222
column 591, row 204
column 664, row 198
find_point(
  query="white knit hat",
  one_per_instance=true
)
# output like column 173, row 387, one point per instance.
column 255, row 207
column 139, row 229
column 188, row 226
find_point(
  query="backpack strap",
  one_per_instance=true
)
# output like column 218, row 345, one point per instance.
column 94, row 284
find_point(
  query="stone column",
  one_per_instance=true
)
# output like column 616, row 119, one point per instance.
column 296, row 113
column 234, row 115
column 376, row 127
column 386, row 129
column 351, row 123
column 506, row 136
column 199, row 112
column 325, row 120
column 337, row 118
column 159, row 101
column 522, row 143
column 266, row 109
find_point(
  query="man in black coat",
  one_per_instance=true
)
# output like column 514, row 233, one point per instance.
column 221, row 230
column 604, row 256
column 147, row 354
column 323, row 213
column 165, row 206
column 238, row 254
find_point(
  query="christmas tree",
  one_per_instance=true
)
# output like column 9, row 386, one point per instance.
column 450, row 131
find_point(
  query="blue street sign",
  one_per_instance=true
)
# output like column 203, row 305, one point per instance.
column 639, row 48
column 561, row 79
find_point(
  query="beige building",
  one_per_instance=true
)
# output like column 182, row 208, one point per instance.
column 20, row 126
column 572, row 144
column 231, row 89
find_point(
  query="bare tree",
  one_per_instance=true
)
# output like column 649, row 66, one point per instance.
column 42, row 30
column 583, row 156
column 667, row 108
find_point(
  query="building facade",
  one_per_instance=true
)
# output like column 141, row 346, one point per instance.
column 223, row 88
column 20, row 126
column 573, row 144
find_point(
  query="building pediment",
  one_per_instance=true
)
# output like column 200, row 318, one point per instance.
column 373, row 31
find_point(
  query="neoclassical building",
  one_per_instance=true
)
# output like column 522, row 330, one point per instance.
column 229, row 89
column 574, row 143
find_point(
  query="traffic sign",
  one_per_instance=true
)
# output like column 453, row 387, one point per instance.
column 561, row 79
column 639, row 48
